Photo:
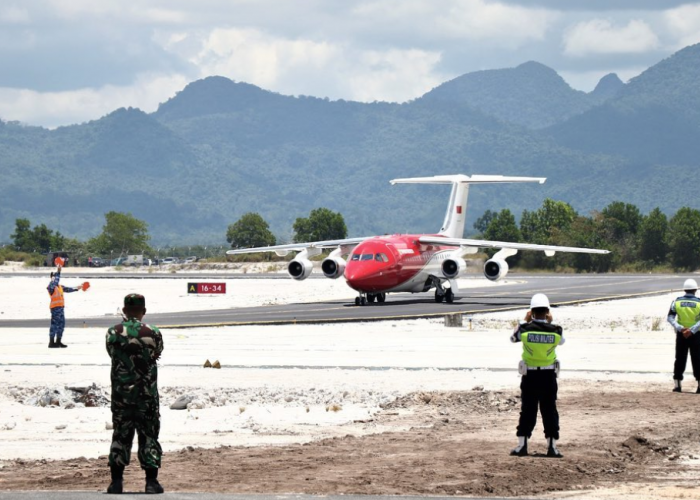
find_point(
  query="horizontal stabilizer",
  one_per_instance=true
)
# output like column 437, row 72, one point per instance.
column 465, row 179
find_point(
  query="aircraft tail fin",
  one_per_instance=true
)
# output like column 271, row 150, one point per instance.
column 455, row 216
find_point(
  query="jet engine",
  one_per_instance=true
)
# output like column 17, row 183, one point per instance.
column 495, row 269
column 300, row 269
column 453, row 267
column 333, row 267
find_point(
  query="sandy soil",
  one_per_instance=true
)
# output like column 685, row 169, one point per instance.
column 618, row 438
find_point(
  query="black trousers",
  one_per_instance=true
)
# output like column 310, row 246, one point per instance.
column 539, row 388
column 684, row 345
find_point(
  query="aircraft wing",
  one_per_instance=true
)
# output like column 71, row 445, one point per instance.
column 547, row 249
column 297, row 247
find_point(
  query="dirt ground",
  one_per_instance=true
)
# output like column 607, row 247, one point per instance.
column 618, row 440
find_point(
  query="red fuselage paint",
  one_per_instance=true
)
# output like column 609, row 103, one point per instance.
column 398, row 263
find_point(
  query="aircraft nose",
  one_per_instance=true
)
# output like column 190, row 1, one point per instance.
column 358, row 274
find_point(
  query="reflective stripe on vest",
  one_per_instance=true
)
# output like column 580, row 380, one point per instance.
column 539, row 348
column 57, row 297
column 688, row 312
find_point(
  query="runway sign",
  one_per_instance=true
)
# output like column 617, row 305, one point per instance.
column 206, row 287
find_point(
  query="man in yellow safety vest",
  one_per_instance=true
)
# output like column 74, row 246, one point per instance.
column 539, row 368
column 684, row 315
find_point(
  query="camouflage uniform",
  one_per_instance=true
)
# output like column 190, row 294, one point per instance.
column 134, row 348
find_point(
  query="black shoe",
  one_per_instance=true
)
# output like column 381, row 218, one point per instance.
column 519, row 452
column 678, row 389
column 116, row 486
column 697, row 391
column 552, row 452
column 52, row 344
column 153, row 486
column 60, row 344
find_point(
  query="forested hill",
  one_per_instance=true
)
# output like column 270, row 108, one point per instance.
column 654, row 119
column 219, row 149
column 531, row 95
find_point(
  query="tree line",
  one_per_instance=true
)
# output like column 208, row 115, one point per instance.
column 637, row 242
column 124, row 234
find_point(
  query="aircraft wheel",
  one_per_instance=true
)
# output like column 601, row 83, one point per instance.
column 357, row 301
column 381, row 297
column 449, row 296
column 363, row 301
column 438, row 297
column 371, row 297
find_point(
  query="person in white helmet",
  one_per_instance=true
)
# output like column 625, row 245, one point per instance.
column 539, row 368
column 684, row 316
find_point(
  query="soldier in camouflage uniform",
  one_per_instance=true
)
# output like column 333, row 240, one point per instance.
column 135, row 348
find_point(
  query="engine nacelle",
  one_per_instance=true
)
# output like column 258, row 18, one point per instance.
column 300, row 269
column 453, row 267
column 333, row 267
column 495, row 269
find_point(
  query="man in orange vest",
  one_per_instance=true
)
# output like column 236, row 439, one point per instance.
column 58, row 319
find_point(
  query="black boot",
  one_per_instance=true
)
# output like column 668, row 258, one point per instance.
column 676, row 385
column 52, row 344
column 552, row 450
column 152, row 484
column 521, row 449
column 59, row 343
column 117, row 484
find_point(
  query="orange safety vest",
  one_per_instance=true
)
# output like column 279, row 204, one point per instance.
column 57, row 297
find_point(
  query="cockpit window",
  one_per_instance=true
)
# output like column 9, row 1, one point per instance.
column 381, row 257
column 367, row 256
column 355, row 256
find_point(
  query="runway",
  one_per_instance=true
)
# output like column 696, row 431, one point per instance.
column 561, row 290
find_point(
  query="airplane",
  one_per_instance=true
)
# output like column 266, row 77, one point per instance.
column 414, row 263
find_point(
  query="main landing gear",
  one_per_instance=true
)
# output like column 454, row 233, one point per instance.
column 370, row 297
column 447, row 295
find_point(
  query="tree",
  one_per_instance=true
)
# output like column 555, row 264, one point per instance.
column 122, row 233
column 22, row 237
column 40, row 239
column 653, row 246
column 251, row 230
column 322, row 224
column 545, row 227
column 482, row 223
column 684, row 238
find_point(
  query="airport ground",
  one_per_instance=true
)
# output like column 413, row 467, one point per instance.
column 388, row 408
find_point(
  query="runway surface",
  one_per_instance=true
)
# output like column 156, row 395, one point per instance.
column 561, row 290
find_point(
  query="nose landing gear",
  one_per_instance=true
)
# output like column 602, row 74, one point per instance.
column 364, row 298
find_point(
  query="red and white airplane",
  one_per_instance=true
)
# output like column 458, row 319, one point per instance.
column 412, row 262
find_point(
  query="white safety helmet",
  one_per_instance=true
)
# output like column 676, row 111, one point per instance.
column 539, row 300
column 690, row 284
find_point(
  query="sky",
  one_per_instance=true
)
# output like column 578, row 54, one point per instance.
column 71, row 61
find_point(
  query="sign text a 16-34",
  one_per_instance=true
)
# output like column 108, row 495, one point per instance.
column 206, row 287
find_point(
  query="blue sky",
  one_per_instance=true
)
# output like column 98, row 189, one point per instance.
column 70, row 61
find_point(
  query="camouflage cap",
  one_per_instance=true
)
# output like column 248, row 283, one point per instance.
column 134, row 299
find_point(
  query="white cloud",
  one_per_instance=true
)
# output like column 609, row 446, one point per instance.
column 599, row 36
column 500, row 23
column 52, row 109
column 684, row 24
column 14, row 15
column 299, row 66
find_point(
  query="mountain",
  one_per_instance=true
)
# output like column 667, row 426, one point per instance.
column 607, row 88
column 219, row 149
column 532, row 95
column 654, row 119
